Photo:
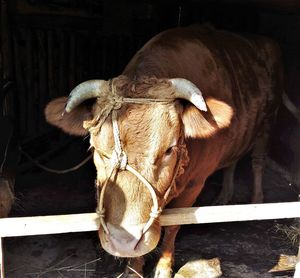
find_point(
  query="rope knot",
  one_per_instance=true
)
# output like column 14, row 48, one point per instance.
column 100, row 212
column 155, row 213
column 119, row 160
column 123, row 161
column 116, row 101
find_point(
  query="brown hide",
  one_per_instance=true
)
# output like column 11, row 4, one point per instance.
column 241, row 81
column 243, row 72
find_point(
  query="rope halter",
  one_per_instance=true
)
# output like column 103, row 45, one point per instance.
column 108, row 101
column 119, row 161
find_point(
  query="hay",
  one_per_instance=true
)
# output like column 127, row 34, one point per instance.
column 291, row 232
column 6, row 196
column 57, row 268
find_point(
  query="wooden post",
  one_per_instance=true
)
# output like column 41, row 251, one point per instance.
column 297, row 267
column 1, row 260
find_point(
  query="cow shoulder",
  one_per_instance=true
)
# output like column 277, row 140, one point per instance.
column 199, row 124
column 71, row 123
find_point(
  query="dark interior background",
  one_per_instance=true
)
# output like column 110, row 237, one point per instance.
column 49, row 46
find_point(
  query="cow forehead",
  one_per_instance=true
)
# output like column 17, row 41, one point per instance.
column 144, row 129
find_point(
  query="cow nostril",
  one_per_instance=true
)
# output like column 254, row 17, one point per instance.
column 129, row 241
column 138, row 241
column 121, row 244
column 125, row 238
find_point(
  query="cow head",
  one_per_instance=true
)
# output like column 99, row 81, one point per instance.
column 137, row 131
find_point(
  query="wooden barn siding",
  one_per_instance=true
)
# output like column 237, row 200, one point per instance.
column 6, row 99
column 54, row 52
column 49, row 62
column 285, row 29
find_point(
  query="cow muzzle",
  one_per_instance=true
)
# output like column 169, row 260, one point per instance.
column 129, row 241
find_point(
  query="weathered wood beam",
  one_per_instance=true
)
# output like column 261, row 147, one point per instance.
column 56, row 224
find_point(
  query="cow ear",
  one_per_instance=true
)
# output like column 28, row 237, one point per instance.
column 71, row 123
column 199, row 124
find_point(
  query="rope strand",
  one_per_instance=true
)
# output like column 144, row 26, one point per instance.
column 118, row 160
column 55, row 171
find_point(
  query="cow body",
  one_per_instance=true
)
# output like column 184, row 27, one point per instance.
column 240, row 80
column 242, row 72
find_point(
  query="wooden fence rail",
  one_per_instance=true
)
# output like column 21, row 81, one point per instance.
column 56, row 224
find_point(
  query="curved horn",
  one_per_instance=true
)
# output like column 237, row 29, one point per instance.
column 185, row 89
column 83, row 91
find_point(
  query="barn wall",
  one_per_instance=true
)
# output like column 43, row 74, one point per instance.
column 285, row 28
column 50, row 46
column 54, row 48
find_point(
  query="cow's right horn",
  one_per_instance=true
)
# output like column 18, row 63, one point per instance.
column 185, row 89
column 83, row 91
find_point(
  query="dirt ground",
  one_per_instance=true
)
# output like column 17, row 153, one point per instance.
column 245, row 249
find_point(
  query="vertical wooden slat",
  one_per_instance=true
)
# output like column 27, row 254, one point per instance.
column 103, row 60
column 112, row 54
column 5, row 42
column 120, row 54
column 62, row 63
column 50, row 49
column 20, row 86
column 297, row 267
column 42, row 69
column 6, row 55
column 29, row 80
column 1, row 63
column 97, row 56
column 92, row 50
column 35, row 83
column 72, row 61
column 79, row 58
column 55, row 63
column 1, row 259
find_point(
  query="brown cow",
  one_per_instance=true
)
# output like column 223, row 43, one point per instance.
column 156, row 137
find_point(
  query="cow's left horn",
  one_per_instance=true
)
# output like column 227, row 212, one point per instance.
column 83, row 91
column 185, row 89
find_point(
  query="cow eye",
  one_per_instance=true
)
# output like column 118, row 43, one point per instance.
column 169, row 151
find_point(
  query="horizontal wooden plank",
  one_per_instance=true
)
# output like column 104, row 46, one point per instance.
column 56, row 224
column 232, row 213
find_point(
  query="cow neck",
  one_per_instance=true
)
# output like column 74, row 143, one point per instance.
column 119, row 162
